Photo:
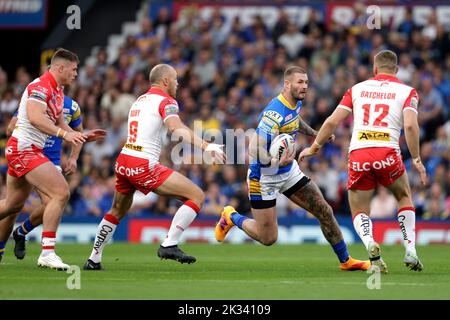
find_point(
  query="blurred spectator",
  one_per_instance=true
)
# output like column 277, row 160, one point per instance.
column 205, row 68
column 435, row 205
column 431, row 108
column 214, row 200
column 292, row 40
column 9, row 102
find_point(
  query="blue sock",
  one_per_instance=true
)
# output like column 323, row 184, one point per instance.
column 340, row 249
column 238, row 219
column 25, row 227
column 2, row 247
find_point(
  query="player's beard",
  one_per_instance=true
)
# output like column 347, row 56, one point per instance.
column 297, row 96
column 173, row 92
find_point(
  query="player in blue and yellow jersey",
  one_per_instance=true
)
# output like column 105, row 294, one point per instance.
column 52, row 150
column 268, row 176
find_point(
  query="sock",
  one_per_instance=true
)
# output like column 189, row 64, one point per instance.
column 407, row 220
column 182, row 219
column 105, row 232
column 363, row 227
column 25, row 227
column 2, row 247
column 48, row 242
column 340, row 249
column 238, row 219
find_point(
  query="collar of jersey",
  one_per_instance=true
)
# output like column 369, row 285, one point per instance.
column 285, row 102
column 158, row 91
column 384, row 77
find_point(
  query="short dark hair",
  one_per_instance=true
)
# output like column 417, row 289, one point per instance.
column 293, row 69
column 65, row 55
column 386, row 60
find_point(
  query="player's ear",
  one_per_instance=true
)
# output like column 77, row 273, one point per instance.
column 375, row 70
column 165, row 81
column 286, row 82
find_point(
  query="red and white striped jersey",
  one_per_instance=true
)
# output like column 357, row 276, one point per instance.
column 377, row 105
column 146, row 124
column 46, row 91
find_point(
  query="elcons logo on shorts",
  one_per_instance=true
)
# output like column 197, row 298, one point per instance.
column 377, row 165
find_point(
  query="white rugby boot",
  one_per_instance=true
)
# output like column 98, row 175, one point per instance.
column 412, row 262
column 52, row 261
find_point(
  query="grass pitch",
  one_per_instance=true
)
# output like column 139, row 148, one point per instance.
column 279, row 272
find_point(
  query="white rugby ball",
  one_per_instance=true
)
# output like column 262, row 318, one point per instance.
column 281, row 144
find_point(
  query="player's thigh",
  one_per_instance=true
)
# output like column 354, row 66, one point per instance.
column 400, row 188
column 266, row 221
column 180, row 187
column 49, row 181
column 360, row 200
column 17, row 191
column 310, row 198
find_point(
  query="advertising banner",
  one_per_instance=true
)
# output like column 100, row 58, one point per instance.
column 23, row 14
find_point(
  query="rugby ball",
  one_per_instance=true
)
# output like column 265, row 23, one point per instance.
column 281, row 144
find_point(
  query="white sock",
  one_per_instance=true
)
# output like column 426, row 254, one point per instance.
column 105, row 232
column 364, row 228
column 407, row 220
column 182, row 219
column 48, row 242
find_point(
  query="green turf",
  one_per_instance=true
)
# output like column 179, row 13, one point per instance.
column 225, row 272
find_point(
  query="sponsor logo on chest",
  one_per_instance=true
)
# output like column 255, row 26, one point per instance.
column 374, row 136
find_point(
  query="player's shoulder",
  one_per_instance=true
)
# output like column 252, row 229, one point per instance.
column 274, row 110
column 156, row 93
column 386, row 80
column 39, row 89
column 71, row 105
column 169, row 101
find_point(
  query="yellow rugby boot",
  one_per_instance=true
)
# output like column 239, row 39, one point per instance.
column 355, row 264
column 225, row 224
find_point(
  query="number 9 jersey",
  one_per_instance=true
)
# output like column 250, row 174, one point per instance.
column 377, row 105
column 146, row 124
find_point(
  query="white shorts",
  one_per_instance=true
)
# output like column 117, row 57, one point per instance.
column 263, row 189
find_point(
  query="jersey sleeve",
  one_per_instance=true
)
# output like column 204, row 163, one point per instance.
column 412, row 101
column 346, row 101
column 76, row 115
column 38, row 92
column 269, row 125
column 168, row 108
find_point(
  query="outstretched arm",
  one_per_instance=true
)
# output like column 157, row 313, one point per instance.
column 71, row 165
column 177, row 127
column 37, row 115
column 325, row 132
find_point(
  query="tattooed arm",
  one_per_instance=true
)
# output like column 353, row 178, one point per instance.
column 305, row 129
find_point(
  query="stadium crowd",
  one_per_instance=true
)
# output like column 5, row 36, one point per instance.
column 227, row 74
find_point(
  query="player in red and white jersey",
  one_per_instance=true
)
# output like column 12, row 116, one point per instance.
column 381, row 107
column 40, row 115
column 138, row 168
